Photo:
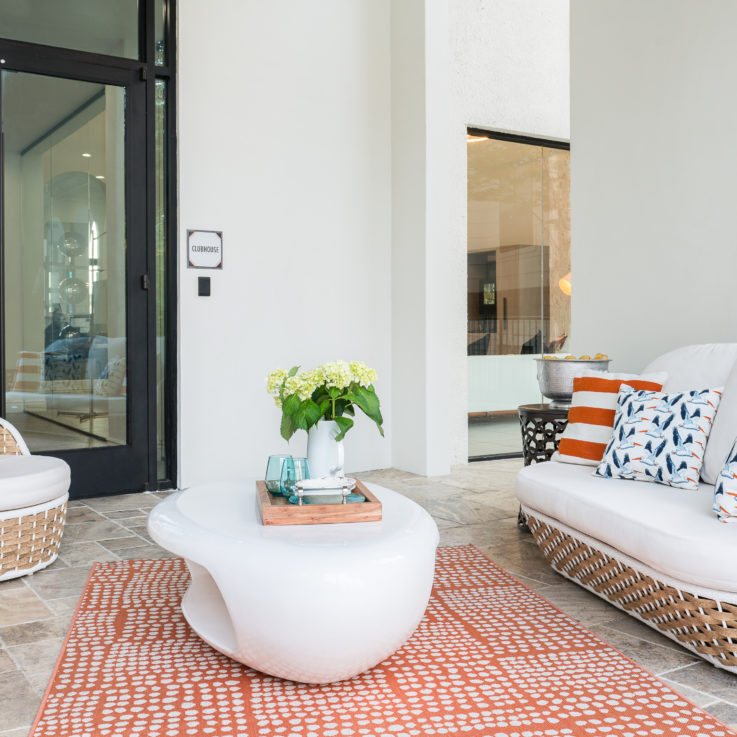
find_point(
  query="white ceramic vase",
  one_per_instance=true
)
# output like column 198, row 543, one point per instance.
column 324, row 452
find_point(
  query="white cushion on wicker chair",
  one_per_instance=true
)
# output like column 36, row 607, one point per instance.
column 29, row 480
column 671, row 530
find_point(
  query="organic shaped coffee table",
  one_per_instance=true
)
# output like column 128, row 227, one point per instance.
column 310, row 603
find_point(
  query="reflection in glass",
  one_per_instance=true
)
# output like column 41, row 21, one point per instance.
column 160, row 11
column 161, row 278
column 518, row 252
column 64, row 231
column 109, row 27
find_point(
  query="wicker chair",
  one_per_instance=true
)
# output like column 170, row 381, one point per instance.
column 30, row 534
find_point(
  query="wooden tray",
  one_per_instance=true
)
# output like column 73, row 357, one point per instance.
column 276, row 510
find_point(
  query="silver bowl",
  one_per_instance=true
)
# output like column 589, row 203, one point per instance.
column 555, row 376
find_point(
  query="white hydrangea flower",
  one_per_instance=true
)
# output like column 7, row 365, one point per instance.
column 274, row 381
column 362, row 374
column 337, row 374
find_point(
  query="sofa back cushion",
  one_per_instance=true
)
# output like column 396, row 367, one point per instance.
column 724, row 432
column 707, row 365
column 696, row 366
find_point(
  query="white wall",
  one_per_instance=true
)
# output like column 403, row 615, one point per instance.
column 284, row 141
column 421, row 256
column 510, row 73
column 653, row 190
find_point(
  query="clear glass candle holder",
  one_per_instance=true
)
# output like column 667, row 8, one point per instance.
column 293, row 470
column 273, row 472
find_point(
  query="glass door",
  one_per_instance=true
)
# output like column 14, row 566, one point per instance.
column 74, row 260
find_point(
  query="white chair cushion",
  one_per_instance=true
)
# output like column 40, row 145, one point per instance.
column 29, row 480
column 723, row 432
column 671, row 530
column 696, row 366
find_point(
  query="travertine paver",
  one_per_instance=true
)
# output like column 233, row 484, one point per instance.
column 474, row 504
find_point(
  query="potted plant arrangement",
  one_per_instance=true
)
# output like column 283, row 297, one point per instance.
column 323, row 401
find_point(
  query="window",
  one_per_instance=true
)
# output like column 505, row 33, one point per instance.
column 518, row 279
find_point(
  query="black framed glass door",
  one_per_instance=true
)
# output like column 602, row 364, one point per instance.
column 74, row 263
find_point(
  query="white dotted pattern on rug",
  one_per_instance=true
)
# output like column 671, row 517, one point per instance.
column 490, row 659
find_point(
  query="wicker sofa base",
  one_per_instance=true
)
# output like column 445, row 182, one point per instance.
column 706, row 626
column 30, row 537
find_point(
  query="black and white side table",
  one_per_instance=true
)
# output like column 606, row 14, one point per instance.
column 542, row 427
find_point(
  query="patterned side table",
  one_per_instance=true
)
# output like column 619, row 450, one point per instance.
column 541, row 427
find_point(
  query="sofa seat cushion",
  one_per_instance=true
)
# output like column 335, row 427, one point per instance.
column 670, row 530
column 29, row 480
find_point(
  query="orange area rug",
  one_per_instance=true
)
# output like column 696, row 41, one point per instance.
column 491, row 658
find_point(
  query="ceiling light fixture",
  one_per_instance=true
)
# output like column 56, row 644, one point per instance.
column 87, row 156
column 99, row 176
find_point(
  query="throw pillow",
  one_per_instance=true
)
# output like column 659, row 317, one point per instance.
column 725, row 489
column 28, row 372
column 111, row 379
column 660, row 437
column 591, row 416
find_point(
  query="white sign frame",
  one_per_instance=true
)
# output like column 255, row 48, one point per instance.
column 212, row 257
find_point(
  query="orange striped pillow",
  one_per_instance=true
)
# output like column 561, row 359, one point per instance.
column 591, row 416
column 28, row 372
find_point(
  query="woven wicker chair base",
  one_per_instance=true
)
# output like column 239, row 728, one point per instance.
column 30, row 538
column 705, row 626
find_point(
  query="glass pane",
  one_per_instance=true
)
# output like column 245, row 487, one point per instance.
column 161, row 278
column 65, row 242
column 109, row 27
column 518, row 251
column 160, row 28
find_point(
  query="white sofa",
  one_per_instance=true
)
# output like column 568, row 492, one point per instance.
column 656, row 552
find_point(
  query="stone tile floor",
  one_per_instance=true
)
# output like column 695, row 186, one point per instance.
column 474, row 504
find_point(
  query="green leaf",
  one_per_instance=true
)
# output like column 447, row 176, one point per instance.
column 287, row 428
column 345, row 424
column 293, row 371
column 299, row 418
column 291, row 404
column 334, row 392
column 367, row 401
column 312, row 413
column 325, row 406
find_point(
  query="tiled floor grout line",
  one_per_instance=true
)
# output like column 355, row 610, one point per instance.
column 682, row 667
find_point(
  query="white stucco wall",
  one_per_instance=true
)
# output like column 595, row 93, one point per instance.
column 510, row 72
column 421, row 257
column 284, row 141
column 653, row 181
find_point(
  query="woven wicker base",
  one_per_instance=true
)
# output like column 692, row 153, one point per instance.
column 31, row 541
column 705, row 626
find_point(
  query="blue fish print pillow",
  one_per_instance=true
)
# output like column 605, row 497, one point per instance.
column 725, row 489
column 660, row 437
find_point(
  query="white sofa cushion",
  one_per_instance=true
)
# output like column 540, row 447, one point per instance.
column 29, row 480
column 724, row 431
column 696, row 366
column 670, row 530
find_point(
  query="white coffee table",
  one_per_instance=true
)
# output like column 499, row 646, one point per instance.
column 310, row 603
